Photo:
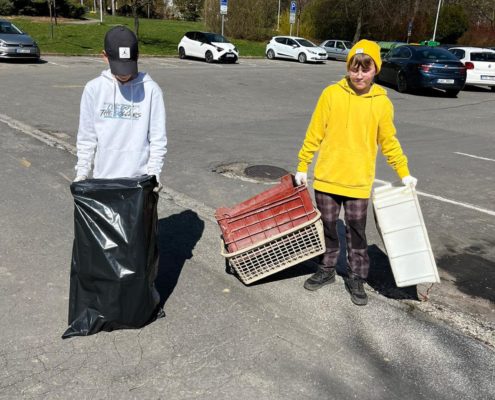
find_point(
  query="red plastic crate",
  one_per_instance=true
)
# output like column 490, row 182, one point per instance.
column 265, row 215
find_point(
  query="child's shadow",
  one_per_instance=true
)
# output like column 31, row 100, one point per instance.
column 178, row 235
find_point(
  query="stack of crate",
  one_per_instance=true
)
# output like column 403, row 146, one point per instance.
column 271, row 231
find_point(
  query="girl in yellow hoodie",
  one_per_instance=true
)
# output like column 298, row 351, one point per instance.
column 351, row 119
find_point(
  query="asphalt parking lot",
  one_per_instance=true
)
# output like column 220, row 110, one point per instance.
column 256, row 113
column 252, row 113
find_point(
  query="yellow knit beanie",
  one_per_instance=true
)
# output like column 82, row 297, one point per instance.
column 366, row 47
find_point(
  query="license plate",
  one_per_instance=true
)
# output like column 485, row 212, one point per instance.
column 230, row 55
column 23, row 51
column 487, row 77
column 446, row 81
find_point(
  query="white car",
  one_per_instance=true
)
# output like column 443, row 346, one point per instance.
column 480, row 65
column 208, row 46
column 294, row 48
column 337, row 49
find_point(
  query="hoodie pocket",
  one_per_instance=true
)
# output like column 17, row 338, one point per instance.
column 345, row 168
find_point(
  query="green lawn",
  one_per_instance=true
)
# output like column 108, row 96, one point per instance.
column 156, row 37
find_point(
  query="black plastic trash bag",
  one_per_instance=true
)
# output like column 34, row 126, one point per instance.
column 115, row 255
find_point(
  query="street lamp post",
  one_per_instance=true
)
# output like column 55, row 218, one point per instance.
column 436, row 20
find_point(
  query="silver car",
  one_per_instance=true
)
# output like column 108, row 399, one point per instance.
column 16, row 44
column 337, row 49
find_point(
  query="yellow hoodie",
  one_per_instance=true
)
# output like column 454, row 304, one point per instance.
column 346, row 129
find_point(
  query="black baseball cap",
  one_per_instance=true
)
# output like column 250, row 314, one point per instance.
column 121, row 47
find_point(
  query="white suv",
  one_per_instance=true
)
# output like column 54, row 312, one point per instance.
column 208, row 46
column 294, row 48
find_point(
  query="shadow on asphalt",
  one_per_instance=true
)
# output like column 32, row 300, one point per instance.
column 473, row 274
column 22, row 61
column 380, row 277
column 178, row 235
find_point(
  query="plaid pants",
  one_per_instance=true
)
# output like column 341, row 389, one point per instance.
column 355, row 211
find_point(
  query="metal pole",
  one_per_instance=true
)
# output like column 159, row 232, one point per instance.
column 436, row 20
column 222, row 23
column 101, row 11
column 278, row 17
column 290, row 33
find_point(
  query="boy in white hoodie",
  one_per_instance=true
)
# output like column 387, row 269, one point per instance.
column 122, row 118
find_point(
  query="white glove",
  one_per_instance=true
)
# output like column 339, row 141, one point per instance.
column 409, row 180
column 80, row 178
column 301, row 178
column 158, row 186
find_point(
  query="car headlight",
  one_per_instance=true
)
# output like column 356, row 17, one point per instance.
column 235, row 49
column 218, row 48
column 312, row 52
column 2, row 43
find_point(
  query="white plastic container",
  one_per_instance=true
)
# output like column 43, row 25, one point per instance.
column 400, row 223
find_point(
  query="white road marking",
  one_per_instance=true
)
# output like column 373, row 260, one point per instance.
column 443, row 199
column 46, row 138
column 470, row 155
column 57, row 64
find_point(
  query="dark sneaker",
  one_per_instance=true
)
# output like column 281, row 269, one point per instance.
column 356, row 289
column 321, row 278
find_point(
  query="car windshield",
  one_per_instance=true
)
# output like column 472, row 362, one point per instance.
column 7, row 27
column 485, row 56
column 436, row 54
column 348, row 44
column 215, row 38
column 305, row 43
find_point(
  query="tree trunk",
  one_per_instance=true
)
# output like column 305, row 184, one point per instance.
column 136, row 18
column 357, row 35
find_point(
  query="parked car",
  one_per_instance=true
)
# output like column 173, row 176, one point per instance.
column 337, row 49
column 14, row 43
column 294, row 48
column 414, row 67
column 480, row 65
column 208, row 46
column 385, row 47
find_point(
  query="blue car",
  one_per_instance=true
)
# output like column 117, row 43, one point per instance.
column 410, row 67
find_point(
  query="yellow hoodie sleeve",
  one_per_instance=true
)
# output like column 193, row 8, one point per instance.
column 389, row 143
column 315, row 132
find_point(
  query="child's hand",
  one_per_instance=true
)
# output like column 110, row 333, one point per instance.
column 409, row 180
column 158, row 186
column 80, row 178
column 301, row 178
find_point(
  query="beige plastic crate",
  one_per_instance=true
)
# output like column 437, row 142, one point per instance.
column 279, row 252
column 400, row 222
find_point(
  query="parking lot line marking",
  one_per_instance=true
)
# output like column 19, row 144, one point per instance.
column 58, row 65
column 443, row 199
column 168, row 65
column 67, row 86
column 46, row 138
column 470, row 155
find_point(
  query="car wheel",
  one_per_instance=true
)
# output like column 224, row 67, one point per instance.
column 209, row 56
column 182, row 53
column 301, row 57
column 270, row 54
column 401, row 83
column 452, row 92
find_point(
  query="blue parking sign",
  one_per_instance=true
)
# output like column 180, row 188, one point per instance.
column 223, row 3
column 293, row 7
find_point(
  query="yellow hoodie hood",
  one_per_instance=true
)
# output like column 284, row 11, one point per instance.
column 346, row 129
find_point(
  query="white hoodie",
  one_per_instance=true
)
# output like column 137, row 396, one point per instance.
column 125, row 124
